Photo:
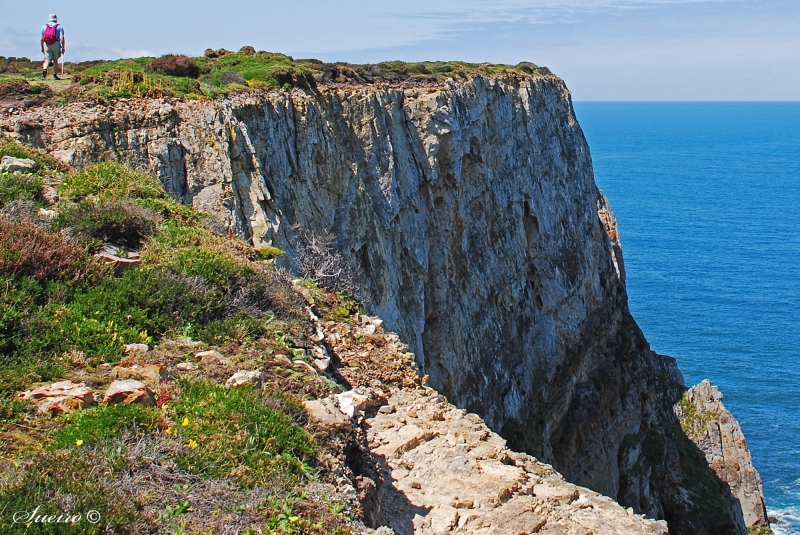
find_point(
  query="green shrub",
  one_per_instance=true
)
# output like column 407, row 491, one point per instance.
column 142, row 304
column 237, row 327
column 116, row 221
column 101, row 424
column 229, row 432
column 19, row 186
column 269, row 252
column 29, row 251
column 109, row 180
column 172, row 65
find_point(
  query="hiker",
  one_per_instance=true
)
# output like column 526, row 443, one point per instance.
column 53, row 45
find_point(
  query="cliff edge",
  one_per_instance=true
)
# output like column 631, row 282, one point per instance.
column 479, row 235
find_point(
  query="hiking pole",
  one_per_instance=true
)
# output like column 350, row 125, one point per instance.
column 62, row 62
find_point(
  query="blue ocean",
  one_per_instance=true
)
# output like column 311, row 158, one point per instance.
column 707, row 197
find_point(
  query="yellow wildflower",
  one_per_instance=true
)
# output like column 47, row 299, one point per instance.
column 191, row 445
column 185, row 422
column 79, row 442
column 168, row 430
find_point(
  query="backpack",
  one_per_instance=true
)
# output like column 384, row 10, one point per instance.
column 50, row 35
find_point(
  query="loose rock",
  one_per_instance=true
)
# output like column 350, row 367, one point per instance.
column 351, row 402
column 245, row 378
column 211, row 357
column 50, row 195
column 129, row 391
column 151, row 374
column 133, row 349
column 186, row 366
column 121, row 262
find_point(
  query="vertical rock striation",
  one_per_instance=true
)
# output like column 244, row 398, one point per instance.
column 472, row 213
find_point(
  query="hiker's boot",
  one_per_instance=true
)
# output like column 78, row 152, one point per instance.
column 55, row 77
column 44, row 74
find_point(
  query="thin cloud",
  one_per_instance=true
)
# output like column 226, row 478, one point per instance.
column 540, row 11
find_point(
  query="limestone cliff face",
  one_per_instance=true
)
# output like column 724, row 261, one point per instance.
column 481, row 237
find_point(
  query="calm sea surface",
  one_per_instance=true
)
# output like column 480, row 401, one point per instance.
column 707, row 197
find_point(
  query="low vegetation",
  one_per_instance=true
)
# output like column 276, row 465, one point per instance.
column 206, row 457
column 220, row 72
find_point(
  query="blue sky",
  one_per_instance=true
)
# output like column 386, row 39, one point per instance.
column 604, row 49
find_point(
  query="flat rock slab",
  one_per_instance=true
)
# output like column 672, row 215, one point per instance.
column 63, row 396
column 16, row 165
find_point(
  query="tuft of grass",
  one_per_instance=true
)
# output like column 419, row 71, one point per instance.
column 15, row 186
column 269, row 252
column 98, row 425
column 230, row 432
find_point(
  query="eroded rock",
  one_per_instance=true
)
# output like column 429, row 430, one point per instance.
column 447, row 472
column 151, row 374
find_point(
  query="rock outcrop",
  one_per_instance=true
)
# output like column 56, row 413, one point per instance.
column 480, row 237
column 450, row 473
column 716, row 432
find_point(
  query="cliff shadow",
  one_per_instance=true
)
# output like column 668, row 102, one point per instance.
column 382, row 502
column 702, row 504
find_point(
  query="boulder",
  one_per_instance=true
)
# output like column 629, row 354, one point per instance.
column 130, row 391
column 17, row 165
column 245, row 378
column 151, row 374
column 63, row 396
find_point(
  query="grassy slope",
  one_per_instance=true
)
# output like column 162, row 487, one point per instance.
column 207, row 456
column 253, row 70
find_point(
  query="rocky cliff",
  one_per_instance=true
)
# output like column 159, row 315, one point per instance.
column 479, row 235
column 716, row 432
